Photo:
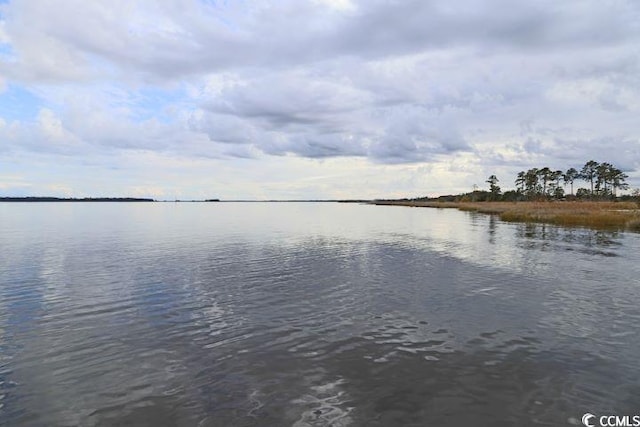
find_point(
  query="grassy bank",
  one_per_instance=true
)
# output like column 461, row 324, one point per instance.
column 601, row 215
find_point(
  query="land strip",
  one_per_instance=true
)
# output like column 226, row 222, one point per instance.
column 598, row 215
column 73, row 199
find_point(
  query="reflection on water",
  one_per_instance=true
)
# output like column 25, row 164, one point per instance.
column 544, row 236
column 310, row 315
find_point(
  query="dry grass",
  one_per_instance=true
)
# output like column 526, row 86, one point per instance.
column 602, row 215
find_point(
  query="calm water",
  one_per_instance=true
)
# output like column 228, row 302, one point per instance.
column 300, row 314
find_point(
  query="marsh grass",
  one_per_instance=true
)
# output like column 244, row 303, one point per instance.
column 601, row 215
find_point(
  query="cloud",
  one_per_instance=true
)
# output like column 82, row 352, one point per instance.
column 393, row 83
column 413, row 135
column 174, row 39
column 290, row 99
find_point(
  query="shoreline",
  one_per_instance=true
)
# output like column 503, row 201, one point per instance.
column 601, row 215
column 35, row 199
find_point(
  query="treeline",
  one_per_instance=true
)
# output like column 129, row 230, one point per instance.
column 603, row 181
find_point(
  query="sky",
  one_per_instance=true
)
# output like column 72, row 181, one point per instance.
column 315, row 99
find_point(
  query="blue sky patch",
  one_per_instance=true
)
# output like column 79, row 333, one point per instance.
column 17, row 103
column 156, row 103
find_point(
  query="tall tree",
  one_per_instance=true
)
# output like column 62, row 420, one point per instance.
column 555, row 190
column 532, row 187
column 545, row 175
column 618, row 180
column 493, row 187
column 589, row 172
column 571, row 175
column 520, row 181
column 603, row 178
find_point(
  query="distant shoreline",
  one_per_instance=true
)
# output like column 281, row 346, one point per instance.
column 135, row 199
column 72, row 199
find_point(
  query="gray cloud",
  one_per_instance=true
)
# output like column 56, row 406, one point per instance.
column 174, row 39
column 286, row 99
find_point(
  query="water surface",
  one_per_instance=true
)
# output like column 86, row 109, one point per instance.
column 310, row 314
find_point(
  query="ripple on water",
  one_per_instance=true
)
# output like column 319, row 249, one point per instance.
column 405, row 318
